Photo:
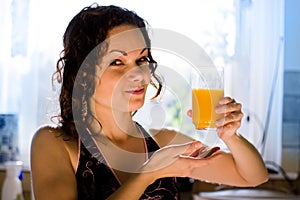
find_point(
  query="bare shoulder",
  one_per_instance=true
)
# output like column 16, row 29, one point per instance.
column 50, row 143
column 167, row 136
column 49, row 136
column 53, row 164
column 45, row 140
column 46, row 131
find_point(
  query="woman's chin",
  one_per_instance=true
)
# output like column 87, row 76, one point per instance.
column 136, row 106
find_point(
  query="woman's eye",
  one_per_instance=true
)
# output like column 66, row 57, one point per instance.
column 143, row 60
column 116, row 62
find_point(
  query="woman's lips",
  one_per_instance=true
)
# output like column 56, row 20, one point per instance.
column 137, row 91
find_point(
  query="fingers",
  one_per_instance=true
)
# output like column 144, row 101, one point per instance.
column 228, row 129
column 231, row 122
column 168, row 155
column 194, row 147
column 203, row 152
column 189, row 113
column 232, row 114
column 231, row 110
column 226, row 100
column 233, row 117
column 228, row 105
column 174, row 150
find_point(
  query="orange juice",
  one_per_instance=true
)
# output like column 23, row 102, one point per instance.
column 204, row 102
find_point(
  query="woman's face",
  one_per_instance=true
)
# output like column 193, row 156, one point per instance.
column 124, row 71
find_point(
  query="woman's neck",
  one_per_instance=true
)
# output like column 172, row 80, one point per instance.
column 116, row 125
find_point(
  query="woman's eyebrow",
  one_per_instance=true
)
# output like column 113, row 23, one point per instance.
column 119, row 51
column 146, row 48
column 124, row 53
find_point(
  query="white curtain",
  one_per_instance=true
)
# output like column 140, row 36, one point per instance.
column 258, row 73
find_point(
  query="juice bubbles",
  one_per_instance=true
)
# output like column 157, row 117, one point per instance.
column 204, row 102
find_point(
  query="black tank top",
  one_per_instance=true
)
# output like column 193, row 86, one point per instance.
column 97, row 181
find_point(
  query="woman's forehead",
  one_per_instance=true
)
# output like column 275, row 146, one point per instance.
column 126, row 38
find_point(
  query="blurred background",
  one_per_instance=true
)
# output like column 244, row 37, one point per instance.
column 257, row 41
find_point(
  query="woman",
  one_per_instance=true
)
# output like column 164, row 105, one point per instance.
column 97, row 151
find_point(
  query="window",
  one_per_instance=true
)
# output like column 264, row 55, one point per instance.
column 32, row 40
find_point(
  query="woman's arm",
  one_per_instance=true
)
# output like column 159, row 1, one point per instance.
column 243, row 166
column 165, row 162
column 53, row 175
column 247, row 160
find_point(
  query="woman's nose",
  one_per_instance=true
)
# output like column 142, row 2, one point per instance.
column 135, row 74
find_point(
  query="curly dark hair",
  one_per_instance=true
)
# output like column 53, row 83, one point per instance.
column 85, row 32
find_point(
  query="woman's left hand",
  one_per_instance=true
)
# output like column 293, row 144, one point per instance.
column 228, row 125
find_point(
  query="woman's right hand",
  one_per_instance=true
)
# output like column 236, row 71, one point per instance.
column 175, row 160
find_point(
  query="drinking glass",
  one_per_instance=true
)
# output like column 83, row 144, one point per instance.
column 207, row 89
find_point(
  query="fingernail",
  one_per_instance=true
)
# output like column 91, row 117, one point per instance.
column 217, row 109
column 197, row 145
column 218, row 123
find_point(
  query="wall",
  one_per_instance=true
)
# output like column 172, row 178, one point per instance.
column 291, row 105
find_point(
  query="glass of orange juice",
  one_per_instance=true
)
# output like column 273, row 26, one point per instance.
column 207, row 90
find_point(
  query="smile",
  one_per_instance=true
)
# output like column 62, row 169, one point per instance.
column 136, row 91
